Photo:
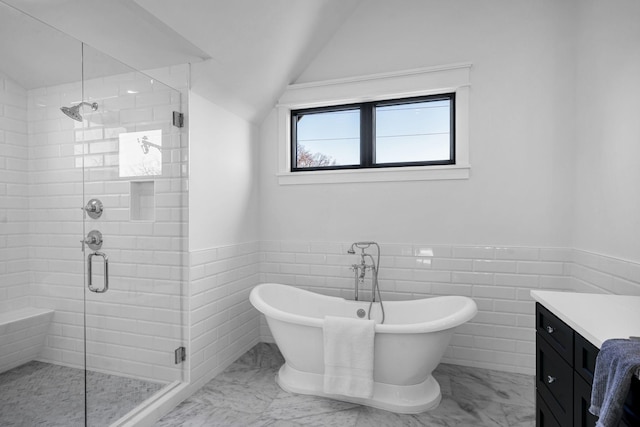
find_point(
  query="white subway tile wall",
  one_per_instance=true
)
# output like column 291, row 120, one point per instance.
column 596, row 273
column 499, row 279
column 14, row 202
column 134, row 328
column 223, row 325
column 55, row 221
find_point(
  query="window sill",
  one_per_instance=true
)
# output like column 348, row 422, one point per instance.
column 375, row 175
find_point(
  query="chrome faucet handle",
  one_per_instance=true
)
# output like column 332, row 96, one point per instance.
column 94, row 208
column 93, row 240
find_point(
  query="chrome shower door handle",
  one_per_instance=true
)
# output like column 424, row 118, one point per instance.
column 105, row 258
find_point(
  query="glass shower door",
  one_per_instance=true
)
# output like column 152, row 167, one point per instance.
column 41, row 265
column 135, row 228
column 88, row 152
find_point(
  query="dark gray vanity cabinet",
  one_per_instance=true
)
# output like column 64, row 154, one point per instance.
column 554, row 369
column 565, row 363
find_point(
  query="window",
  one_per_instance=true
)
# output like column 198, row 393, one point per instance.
column 410, row 125
column 415, row 131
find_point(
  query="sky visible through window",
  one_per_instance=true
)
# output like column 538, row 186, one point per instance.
column 414, row 132
column 335, row 134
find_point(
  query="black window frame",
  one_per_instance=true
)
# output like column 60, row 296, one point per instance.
column 368, row 129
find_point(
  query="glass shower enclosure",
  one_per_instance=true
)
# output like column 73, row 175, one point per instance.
column 93, row 231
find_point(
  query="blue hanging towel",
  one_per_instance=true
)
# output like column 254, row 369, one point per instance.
column 617, row 363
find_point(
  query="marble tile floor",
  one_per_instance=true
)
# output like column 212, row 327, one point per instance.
column 43, row 394
column 246, row 394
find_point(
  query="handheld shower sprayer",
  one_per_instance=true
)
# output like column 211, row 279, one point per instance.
column 362, row 246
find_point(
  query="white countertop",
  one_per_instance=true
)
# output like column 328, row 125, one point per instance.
column 597, row 317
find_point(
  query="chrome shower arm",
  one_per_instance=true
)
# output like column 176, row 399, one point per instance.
column 93, row 105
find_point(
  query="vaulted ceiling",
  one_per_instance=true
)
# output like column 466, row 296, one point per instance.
column 243, row 52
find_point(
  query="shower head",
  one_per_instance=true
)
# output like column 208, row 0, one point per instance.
column 74, row 112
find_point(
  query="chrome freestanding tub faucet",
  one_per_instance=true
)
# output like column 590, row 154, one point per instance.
column 360, row 271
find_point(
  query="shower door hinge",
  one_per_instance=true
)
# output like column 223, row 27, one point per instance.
column 181, row 355
column 178, row 119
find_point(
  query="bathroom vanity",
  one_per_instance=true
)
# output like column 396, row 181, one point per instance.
column 570, row 328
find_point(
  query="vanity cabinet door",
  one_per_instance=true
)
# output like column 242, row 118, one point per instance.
column 554, row 382
column 581, row 402
column 555, row 331
column 585, row 355
column 544, row 416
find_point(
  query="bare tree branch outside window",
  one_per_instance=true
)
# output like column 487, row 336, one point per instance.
column 306, row 159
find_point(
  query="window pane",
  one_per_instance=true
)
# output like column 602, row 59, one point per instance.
column 328, row 139
column 415, row 132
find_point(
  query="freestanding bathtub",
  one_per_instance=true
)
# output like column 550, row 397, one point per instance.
column 407, row 347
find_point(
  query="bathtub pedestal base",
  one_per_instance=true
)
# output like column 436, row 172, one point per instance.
column 410, row 399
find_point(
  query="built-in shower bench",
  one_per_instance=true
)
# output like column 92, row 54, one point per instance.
column 22, row 335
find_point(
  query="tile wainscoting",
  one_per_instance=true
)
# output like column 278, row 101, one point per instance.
column 597, row 273
column 498, row 278
column 223, row 324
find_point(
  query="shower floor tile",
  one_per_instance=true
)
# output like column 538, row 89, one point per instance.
column 246, row 394
column 43, row 394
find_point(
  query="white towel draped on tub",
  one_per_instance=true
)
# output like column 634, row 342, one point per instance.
column 348, row 356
